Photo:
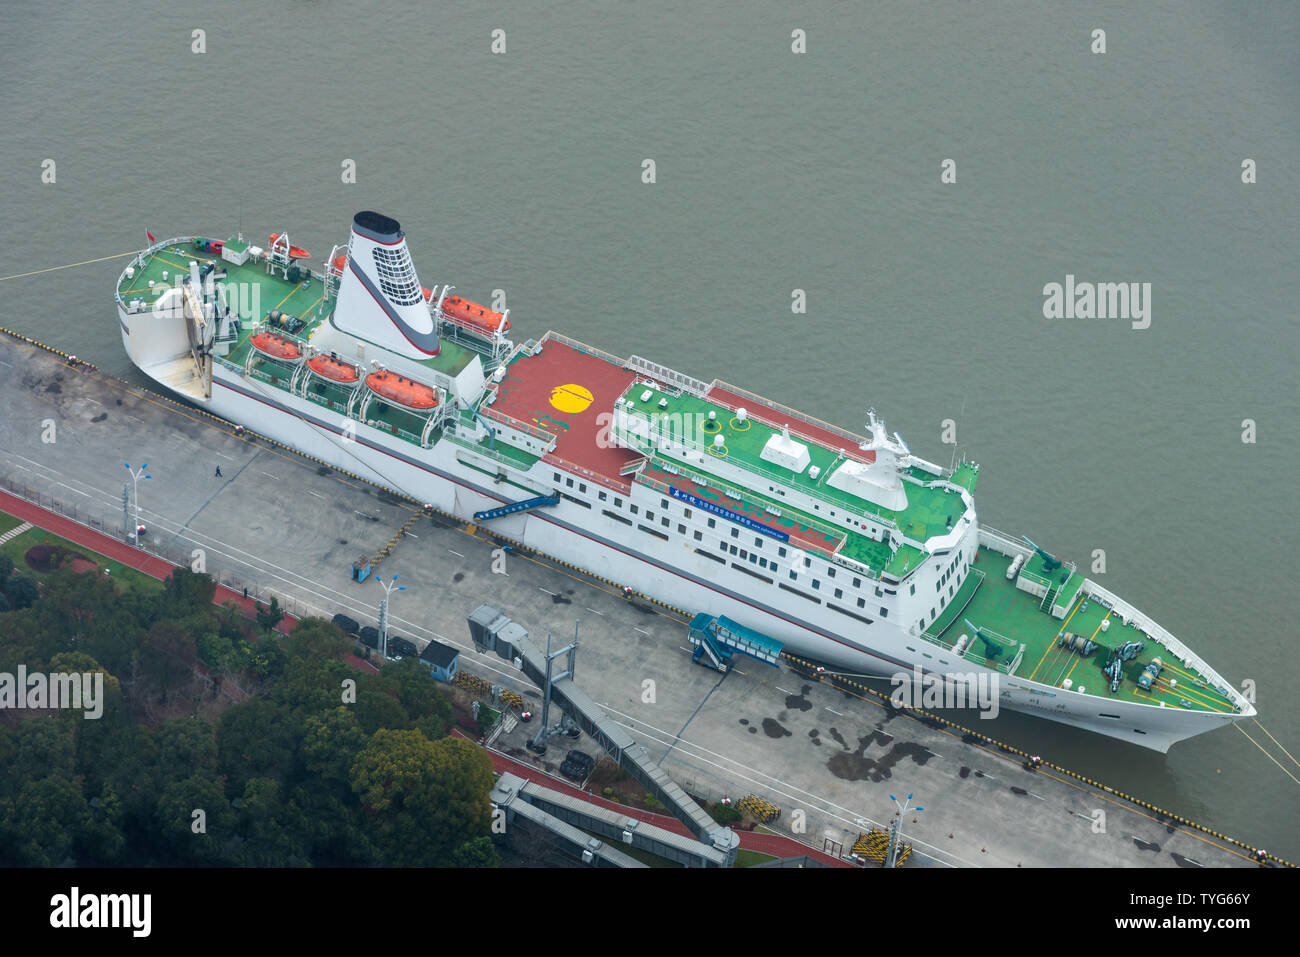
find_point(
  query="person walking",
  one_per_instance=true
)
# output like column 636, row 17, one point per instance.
column 218, row 475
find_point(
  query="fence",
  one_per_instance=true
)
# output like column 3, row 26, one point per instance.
column 177, row 550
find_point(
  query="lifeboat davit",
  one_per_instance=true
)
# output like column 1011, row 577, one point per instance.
column 478, row 318
column 402, row 391
column 277, row 347
column 295, row 252
column 334, row 369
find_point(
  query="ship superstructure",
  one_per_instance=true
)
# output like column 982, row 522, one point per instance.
column 847, row 549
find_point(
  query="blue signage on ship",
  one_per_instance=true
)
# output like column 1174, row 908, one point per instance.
column 728, row 514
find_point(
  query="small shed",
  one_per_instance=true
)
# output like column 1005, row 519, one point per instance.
column 441, row 660
column 235, row 251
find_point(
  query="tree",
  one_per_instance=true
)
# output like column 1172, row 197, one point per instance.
column 478, row 852
column 43, row 746
column 167, row 659
column 47, row 823
column 266, row 841
column 185, row 592
column 425, row 798
column 268, row 618
column 316, row 639
column 20, row 591
column 191, row 838
column 330, row 745
column 256, row 739
column 186, row 746
column 421, row 696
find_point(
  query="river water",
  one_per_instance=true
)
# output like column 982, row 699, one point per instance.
column 778, row 171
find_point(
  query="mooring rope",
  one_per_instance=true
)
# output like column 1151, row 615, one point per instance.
column 84, row 262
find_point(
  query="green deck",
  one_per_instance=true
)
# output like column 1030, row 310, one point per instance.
column 1000, row 607
column 928, row 509
column 861, row 548
column 304, row 300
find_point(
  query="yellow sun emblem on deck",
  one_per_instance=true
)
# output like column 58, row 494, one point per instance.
column 571, row 398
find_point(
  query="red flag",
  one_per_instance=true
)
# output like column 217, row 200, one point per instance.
column 150, row 235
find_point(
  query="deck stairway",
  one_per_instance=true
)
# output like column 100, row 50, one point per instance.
column 526, row 505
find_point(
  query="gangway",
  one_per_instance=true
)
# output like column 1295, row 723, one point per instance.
column 720, row 638
column 493, row 631
column 526, row 505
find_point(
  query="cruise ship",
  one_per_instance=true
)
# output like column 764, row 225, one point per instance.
column 843, row 549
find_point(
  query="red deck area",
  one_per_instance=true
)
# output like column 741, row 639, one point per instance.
column 798, row 424
column 801, row 536
column 570, row 394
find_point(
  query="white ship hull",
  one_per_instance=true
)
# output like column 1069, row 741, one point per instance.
column 671, row 571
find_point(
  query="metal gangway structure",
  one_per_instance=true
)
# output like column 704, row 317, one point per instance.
column 573, row 820
column 719, row 639
column 526, row 505
column 493, row 631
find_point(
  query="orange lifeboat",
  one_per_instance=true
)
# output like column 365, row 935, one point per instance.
column 277, row 347
column 295, row 252
column 402, row 391
column 476, row 317
column 334, row 369
column 338, row 262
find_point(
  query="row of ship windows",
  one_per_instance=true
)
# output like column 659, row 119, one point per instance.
column 753, row 557
column 943, row 599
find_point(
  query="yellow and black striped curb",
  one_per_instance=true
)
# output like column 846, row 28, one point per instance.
column 40, row 345
column 809, row 670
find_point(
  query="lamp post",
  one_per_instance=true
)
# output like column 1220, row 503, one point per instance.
column 383, row 613
column 896, row 838
column 136, row 475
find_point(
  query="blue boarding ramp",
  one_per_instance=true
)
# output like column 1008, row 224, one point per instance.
column 526, row 505
column 720, row 639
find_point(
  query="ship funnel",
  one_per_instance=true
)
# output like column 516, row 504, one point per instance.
column 379, row 297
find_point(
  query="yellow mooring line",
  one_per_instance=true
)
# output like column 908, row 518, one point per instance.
column 84, row 262
column 1266, row 754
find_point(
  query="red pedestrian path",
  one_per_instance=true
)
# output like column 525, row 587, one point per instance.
column 138, row 559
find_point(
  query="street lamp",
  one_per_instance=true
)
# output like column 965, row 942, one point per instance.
column 136, row 475
column 896, row 839
column 383, row 613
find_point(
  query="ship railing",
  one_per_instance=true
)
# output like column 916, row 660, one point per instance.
column 396, row 430
column 270, row 379
column 325, row 401
column 609, row 483
column 854, row 440
column 1002, row 543
column 664, row 374
column 485, row 451
column 519, row 425
column 1158, row 633
column 838, row 535
column 582, row 347
column 1004, row 667
column 646, row 444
